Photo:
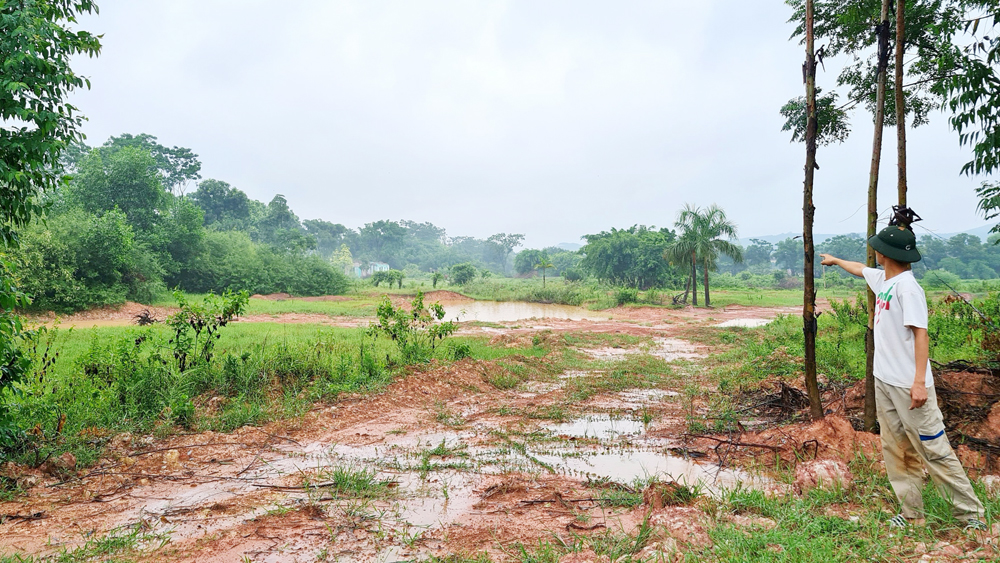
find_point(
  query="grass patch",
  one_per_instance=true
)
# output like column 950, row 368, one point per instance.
column 352, row 482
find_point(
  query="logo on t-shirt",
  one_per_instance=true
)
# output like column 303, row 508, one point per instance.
column 882, row 301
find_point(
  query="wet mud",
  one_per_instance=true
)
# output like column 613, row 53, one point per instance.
column 447, row 463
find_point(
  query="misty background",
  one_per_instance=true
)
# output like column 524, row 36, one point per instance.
column 554, row 119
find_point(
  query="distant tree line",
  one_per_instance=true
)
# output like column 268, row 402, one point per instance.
column 129, row 226
column 963, row 255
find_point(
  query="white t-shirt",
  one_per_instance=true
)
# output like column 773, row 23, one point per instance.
column 900, row 303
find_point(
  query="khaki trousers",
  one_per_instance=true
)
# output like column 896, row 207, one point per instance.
column 915, row 438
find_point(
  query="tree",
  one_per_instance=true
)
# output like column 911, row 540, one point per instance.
column 502, row 244
column 329, row 236
column 526, row 261
column 126, row 180
column 382, row 240
column 37, row 42
column 758, row 253
column 808, row 212
column 342, row 259
column 710, row 233
column 631, row 257
column 224, row 206
column 544, row 263
column 462, row 274
column 177, row 166
column 831, row 119
column 683, row 251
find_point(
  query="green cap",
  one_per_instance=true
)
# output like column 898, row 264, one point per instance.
column 896, row 242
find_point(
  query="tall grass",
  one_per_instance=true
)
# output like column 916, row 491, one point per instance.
column 115, row 379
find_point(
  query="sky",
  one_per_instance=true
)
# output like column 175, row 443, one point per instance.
column 545, row 117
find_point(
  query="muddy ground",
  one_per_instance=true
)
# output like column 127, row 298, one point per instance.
column 453, row 464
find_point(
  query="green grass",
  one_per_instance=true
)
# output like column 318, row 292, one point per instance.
column 352, row 482
column 119, row 546
column 104, row 383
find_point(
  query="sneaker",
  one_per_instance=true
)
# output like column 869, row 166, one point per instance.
column 976, row 525
column 898, row 521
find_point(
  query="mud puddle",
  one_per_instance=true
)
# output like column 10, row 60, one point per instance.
column 669, row 349
column 602, row 427
column 745, row 323
column 510, row 311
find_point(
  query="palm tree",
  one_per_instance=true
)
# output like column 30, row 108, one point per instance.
column 708, row 234
column 680, row 252
column 544, row 264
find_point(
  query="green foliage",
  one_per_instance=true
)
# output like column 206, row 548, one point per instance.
column 417, row 331
column 501, row 245
column 832, row 123
column 462, row 274
column 196, row 325
column 626, row 295
column 388, row 277
column 82, row 260
column 435, row 278
column 573, row 275
column 37, row 41
column 126, row 180
column 176, row 166
column 525, row 261
column 632, row 257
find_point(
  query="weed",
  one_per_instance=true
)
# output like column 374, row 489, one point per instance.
column 353, row 482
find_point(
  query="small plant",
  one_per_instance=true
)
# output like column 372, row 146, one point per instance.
column 626, row 295
column 416, row 331
column 196, row 326
column 460, row 351
column 435, row 278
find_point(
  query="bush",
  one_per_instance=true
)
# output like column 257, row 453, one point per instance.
column 462, row 274
column 625, row 295
column 573, row 275
column 939, row 279
column 416, row 331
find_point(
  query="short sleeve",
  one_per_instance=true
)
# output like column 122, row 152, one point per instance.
column 914, row 306
column 874, row 277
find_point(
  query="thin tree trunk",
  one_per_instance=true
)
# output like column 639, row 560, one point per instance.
column 873, row 177
column 707, row 302
column 694, row 279
column 808, row 212
column 900, row 99
column 687, row 289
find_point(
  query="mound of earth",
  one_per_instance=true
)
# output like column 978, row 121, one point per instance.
column 272, row 296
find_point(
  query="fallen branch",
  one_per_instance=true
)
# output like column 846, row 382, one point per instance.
column 737, row 443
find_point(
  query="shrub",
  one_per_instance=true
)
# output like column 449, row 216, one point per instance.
column 462, row 274
column 573, row 274
column 625, row 295
column 416, row 331
column 196, row 326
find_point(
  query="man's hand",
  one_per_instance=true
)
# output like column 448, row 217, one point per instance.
column 853, row 268
column 918, row 395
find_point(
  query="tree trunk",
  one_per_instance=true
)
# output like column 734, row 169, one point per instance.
column 707, row 302
column 687, row 289
column 808, row 212
column 873, row 177
column 900, row 99
column 694, row 279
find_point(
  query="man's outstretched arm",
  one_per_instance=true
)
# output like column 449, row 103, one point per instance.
column 853, row 268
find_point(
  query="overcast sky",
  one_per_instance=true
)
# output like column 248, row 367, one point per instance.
column 549, row 118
